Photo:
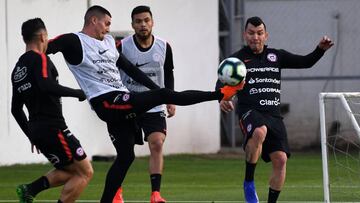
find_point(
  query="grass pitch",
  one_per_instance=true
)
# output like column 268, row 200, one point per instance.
column 187, row 178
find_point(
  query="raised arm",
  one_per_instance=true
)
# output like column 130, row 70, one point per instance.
column 290, row 60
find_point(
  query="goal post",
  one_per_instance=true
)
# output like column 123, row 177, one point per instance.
column 344, row 109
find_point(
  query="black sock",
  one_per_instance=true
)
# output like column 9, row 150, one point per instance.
column 250, row 171
column 59, row 201
column 155, row 182
column 38, row 185
column 273, row 195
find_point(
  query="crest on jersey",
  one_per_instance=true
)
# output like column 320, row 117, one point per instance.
column 156, row 57
column 80, row 151
column 126, row 97
column 272, row 57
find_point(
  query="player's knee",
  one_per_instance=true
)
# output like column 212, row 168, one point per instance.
column 156, row 145
column 259, row 134
column 125, row 153
column 89, row 173
column 279, row 160
column 125, row 158
column 86, row 171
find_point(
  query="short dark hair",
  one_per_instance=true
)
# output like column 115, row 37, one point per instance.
column 140, row 9
column 30, row 28
column 97, row 11
column 255, row 21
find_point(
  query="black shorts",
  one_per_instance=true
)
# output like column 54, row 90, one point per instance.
column 276, row 137
column 152, row 122
column 126, row 132
column 60, row 147
column 114, row 106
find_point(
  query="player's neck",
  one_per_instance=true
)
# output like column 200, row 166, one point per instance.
column 89, row 32
column 144, row 43
column 39, row 48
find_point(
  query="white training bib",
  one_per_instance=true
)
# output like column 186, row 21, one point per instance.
column 97, row 74
column 151, row 62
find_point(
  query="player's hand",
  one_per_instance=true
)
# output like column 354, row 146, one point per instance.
column 32, row 149
column 81, row 96
column 325, row 43
column 226, row 106
column 170, row 110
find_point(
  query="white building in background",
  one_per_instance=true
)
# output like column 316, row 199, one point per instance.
column 191, row 27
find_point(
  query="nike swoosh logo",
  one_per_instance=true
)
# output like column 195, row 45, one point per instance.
column 102, row 52
column 138, row 65
column 247, row 60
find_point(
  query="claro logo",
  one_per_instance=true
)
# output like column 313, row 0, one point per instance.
column 268, row 102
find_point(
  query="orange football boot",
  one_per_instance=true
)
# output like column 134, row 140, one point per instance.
column 230, row 91
column 156, row 198
column 118, row 197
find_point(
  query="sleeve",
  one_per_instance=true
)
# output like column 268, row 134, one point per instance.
column 18, row 112
column 293, row 61
column 135, row 73
column 69, row 45
column 169, row 68
column 48, row 84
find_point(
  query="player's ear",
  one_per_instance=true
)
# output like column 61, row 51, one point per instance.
column 266, row 35
column 43, row 36
column 93, row 20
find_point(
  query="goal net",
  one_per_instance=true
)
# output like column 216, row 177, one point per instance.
column 340, row 145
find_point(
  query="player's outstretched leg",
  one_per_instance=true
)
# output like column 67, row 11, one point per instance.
column 144, row 101
column 250, row 192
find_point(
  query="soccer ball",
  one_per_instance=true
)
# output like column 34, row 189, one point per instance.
column 231, row 71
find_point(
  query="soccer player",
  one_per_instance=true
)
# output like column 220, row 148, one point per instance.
column 35, row 85
column 95, row 62
column 140, row 49
column 259, row 104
